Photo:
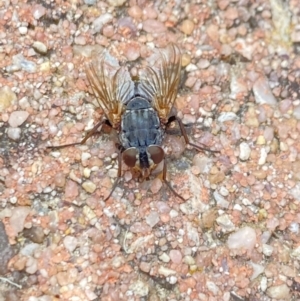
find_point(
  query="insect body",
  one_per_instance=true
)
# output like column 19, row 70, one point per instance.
column 141, row 136
column 139, row 110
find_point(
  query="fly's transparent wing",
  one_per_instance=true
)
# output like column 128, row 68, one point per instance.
column 111, row 84
column 160, row 81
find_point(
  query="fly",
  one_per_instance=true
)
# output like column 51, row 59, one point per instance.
column 138, row 109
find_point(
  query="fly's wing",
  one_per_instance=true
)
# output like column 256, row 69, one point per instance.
column 112, row 86
column 160, row 81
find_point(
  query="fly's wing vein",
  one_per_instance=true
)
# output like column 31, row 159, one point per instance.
column 112, row 88
column 161, row 82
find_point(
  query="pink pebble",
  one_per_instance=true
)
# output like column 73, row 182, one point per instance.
column 175, row 256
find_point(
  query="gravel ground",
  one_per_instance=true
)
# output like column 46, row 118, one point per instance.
column 236, row 237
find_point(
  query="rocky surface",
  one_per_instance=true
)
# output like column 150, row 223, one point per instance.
column 236, row 235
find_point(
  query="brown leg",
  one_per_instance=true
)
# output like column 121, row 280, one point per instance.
column 168, row 183
column 185, row 136
column 89, row 134
column 117, row 181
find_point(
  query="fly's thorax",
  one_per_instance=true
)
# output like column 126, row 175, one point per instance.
column 140, row 125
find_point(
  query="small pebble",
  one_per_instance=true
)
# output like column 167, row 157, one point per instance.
column 71, row 190
column 40, row 47
column 14, row 133
column 89, row 213
column 116, row 2
column 38, row 11
column 165, row 271
column 101, row 21
column 227, row 116
column 279, row 292
column 152, row 219
column 221, row 201
column 154, row 26
column 257, row 270
column 20, row 62
column 17, row 219
column 17, row 118
column 7, row 97
column 263, row 93
column 135, row 12
column 217, row 178
column 244, row 238
column 175, row 256
column 89, row 186
column 189, row 260
column 31, row 265
column 35, row 234
column 245, row 151
column 225, row 223
column 187, row 27
column 145, row 266
column 212, row 287
column 90, row 2
column 164, row 257
column 156, row 185
column 263, row 283
column 70, row 243
column 132, row 52
column 23, row 30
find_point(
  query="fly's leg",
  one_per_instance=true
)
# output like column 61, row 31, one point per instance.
column 118, row 179
column 168, row 183
column 89, row 134
column 185, row 136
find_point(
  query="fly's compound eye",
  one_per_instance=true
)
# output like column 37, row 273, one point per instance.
column 157, row 154
column 129, row 156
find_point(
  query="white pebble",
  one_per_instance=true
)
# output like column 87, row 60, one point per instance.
column 17, row 118
column 227, row 116
column 87, row 172
column 172, row 280
column 257, row 270
column 237, row 207
column 221, row 201
column 245, row 151
column 23, row 30
column 70, row 243
column 294, row 227
column 244, row 238
column 100, row 21
column 263, row 283
column 212, row 287
column 263, row 156
column 224, row 191
column 164, row 257
column 152, row 219
column 85, row 156
column 31, row 265
column 279, row 292
column 173, row 213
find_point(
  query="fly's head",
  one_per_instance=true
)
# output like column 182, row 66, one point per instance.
column 143, row 159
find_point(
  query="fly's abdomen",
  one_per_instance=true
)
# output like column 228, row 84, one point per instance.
column 140, row 125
